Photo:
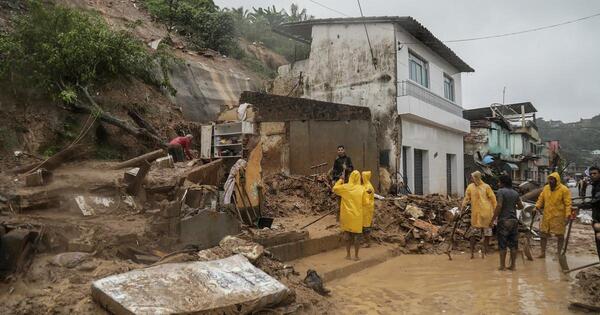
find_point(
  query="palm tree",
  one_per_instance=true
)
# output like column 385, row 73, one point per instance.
column 297, row 15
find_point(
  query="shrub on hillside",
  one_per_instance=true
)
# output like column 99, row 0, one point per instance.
column 199, row 21
column 63, row 51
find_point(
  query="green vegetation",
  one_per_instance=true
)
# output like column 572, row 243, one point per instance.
column 577, row 139
column 256, row 26
column 200, row 21
column 204, row 25
column 64, row 52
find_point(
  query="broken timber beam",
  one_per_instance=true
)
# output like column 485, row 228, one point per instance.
column 134, row 188
column 54, row 161
column 148, row 157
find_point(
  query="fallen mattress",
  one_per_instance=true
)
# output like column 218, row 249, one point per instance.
column 226, row 286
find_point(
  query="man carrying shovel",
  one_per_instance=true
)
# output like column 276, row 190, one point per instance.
column 508, row 224
column 555, row 199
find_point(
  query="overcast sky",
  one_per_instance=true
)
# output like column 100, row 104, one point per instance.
column 558, row 69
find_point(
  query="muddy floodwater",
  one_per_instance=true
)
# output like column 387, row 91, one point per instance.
column 431, row 284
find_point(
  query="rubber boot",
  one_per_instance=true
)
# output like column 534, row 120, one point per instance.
column 560, row 243
column 502, row 259
column 513, row 259
column 486, row 245
column 543, row 244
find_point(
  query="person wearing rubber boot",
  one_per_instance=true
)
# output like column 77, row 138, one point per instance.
column 594, row 204
column 483, row 202
column 368, row 206
column 555, row 199
column 508, row 225
column 351, row 210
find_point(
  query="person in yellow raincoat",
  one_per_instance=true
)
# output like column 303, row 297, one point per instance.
column 483, row 202
column 555, row 199
column 351, row 210
column 368, row 206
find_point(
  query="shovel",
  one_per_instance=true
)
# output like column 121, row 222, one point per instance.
column 562, row 258
column 456, row 223
column 527, row 248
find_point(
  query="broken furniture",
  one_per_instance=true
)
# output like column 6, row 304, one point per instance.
column 229, row 139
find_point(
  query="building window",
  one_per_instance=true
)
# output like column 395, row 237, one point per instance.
column 448, row 87
column 419, row 70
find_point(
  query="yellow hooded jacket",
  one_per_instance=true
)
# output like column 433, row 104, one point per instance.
column 483, row 202
column 556, row 205
column 352, row 195
column 368, row 200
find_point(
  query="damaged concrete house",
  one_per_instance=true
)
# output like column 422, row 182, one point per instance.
column 286, row 135
column 507, row 134
column 409, row 79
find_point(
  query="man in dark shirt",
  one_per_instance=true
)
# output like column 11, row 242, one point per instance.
column 342, row 166
column 508, row 224
column 594, row 204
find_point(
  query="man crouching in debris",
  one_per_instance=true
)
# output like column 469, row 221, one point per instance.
column 555, row 199
column 594, row 204
column 351, row 212
column 508, row 224
column 178, row 146
column 483, row 202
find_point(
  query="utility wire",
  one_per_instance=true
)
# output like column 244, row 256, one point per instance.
column 487, row 36
column 330, row 9
column 523, row 31
column 373, row 60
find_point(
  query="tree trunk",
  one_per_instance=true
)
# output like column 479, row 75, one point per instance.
column 136, row 161
column 140, row 133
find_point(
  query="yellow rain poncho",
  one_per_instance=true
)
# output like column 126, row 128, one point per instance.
column 351, row 206
column 368, row 199
column 556, row 205
column 483, row 202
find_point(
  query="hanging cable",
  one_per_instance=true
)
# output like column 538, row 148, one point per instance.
column 373, row 59
column 531, row 30
column 330, row 9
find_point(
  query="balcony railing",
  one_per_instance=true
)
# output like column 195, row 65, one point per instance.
column 409, row 88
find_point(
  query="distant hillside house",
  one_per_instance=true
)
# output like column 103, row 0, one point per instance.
column 409, row 79
column 596, row 152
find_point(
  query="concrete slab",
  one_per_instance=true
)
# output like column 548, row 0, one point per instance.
column 226, row 286
column 282, row 238
column 333, row 265
column 304, row 248
column 207, row 228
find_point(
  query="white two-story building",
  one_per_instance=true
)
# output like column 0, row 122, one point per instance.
column 409, row 79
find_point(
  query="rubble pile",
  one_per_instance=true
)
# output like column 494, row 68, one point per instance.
column 295, row 194
column 418, row 223
column 586, row 291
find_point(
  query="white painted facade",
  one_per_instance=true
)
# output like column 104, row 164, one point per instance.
column 406, row 115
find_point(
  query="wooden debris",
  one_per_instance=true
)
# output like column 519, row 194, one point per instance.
column 137, row 161
column 426, row 226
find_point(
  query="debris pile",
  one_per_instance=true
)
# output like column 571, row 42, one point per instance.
column 586, row 291
column 295, row 194
column 414, row 222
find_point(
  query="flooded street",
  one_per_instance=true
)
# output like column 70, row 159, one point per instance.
column 431, row 284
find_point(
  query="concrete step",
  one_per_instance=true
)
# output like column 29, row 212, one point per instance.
column 332, row 265
column 307, row 247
